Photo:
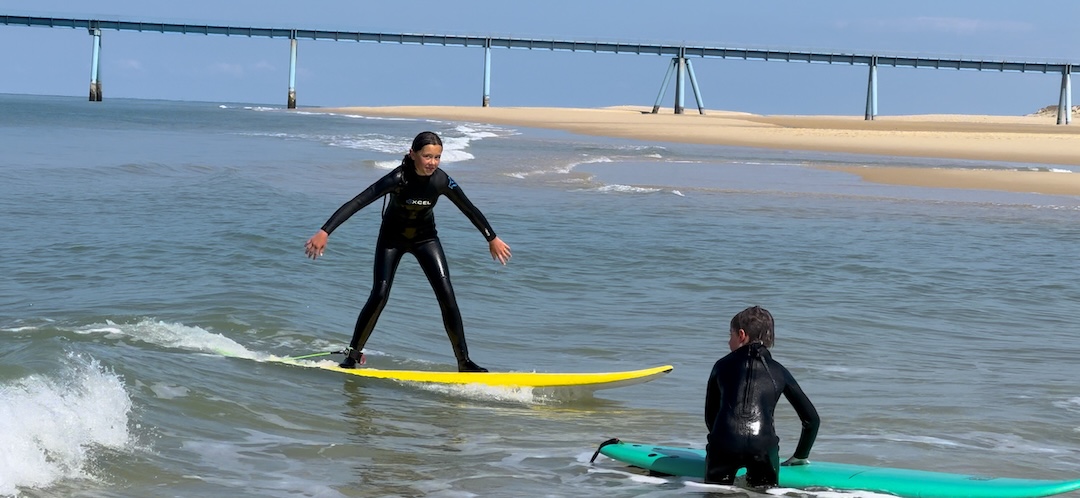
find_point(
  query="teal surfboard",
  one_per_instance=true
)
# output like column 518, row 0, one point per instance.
column 689, row 462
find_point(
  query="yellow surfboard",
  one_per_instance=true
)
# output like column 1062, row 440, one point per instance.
column 590, row 380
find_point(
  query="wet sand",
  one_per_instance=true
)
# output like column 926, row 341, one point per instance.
column 1034, row 141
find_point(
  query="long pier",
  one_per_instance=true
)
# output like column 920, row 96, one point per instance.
column 680, row 54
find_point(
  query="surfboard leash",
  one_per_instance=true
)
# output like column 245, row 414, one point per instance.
column 613, row 440
column 313, row 355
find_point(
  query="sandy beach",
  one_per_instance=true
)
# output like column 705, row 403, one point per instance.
column 995, row 139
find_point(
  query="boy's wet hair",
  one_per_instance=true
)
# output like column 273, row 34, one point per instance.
column 757, row 322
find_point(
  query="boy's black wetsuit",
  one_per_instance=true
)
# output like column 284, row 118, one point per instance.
column 408, row 225
column 740, row 400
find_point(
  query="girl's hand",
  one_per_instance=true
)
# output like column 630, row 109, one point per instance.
column 499, row 250
column 315, row 245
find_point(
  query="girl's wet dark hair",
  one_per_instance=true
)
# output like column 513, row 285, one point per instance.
column 423, row 139
column 757, row 322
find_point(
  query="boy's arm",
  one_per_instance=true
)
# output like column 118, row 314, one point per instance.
column 807, row 414
column 712, row 400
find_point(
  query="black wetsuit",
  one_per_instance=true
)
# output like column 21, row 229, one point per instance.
column 408, row 225
column 740, row 400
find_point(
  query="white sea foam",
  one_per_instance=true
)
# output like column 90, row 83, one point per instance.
column 454, row 149
column 19, row 329
column 700, row 486
column 1071, row 404
column 560, row 169
column 387, row 165
column 375, row 142
column 455, row 142
column 352, row 116
column 644, row 479
column 50, row 427
column 780, row 491
column 180, row 336
column 372, row 118
column 627, row 189
column 369, row 141
column 174, row 335
column 522, row 395
column 479, row 131
column 826, row 494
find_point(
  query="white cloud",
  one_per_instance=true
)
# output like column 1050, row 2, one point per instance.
column 129, row 64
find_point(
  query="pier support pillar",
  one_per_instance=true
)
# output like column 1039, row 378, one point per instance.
column 95, row 67
column 1064, row 115
column 680, row 82
column 871, row 91
column 679, row 66
column 663, row 88
column 292, row 71
column 487, row 73
column 694, row 86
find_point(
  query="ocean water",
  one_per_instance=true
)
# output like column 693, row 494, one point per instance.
column 933, row 328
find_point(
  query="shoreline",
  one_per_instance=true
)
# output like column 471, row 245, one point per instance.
column 1011, row 139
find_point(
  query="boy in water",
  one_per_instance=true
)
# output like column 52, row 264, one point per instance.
column 742, row 394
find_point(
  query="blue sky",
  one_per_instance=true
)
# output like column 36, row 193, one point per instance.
column 255, row 70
